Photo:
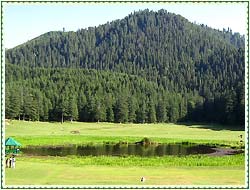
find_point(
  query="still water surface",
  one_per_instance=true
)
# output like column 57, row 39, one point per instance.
column 119, row 150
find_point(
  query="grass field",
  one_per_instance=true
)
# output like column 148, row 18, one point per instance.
column 45, row 133
column 167, row 170
column 37, row 173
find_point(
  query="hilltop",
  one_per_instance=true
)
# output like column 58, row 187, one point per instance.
column 187, row 72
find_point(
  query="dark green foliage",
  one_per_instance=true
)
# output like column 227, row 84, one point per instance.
column 151, row 112
column 132, row 107
column 100, row 110
column 141, row 113
column 13, row 103
column 147, row 67
column 72, row 107
column 161, row 112
column 121, row 109
column 96, row 96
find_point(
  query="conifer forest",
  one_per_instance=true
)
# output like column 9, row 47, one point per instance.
column 149, row 67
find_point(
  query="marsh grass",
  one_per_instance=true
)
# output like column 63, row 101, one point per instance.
column 165, row 161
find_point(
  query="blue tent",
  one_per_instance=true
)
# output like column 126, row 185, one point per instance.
column 9, row 143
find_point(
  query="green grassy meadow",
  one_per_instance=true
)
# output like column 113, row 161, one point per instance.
column 37, row 173
column 105, row 170
column 48, row 133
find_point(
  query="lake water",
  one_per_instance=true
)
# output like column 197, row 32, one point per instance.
column 119, row 150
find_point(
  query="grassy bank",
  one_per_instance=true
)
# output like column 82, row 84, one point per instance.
column 165, row 161
column 47, row 133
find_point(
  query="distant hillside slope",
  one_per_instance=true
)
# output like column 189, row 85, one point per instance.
column 161, row 47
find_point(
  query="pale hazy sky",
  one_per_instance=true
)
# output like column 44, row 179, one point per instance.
column 23, row 22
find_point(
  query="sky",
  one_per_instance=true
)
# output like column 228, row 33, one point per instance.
column 25, row 21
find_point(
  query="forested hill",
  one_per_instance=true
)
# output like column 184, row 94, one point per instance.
column 161, row 47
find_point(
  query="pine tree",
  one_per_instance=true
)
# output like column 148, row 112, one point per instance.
column 151, row 112
column 63, row 107
column 230, row 108
column 141, row 113
column 110, row 114
column 132, row 107
column 14, row 107
column 121, row 109
column 161, row 112
column 72, row 109
column 100, row 110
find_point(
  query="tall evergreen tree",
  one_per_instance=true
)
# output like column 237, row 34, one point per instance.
column 141, row 113
column 121, row 113
column 132, row 107
column 161, row 112
column 151, row 112
column 72, row 109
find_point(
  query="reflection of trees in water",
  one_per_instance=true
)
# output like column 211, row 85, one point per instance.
column 72, row 150
column 87, row 150
column 131, row 149
column 116, row 149
column 108, row 149
column 119, row 150
column 160, row 150
column 139, row 150
column 123, row 150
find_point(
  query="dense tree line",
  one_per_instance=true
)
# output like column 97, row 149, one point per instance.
column 172, row 69
column 88, row 95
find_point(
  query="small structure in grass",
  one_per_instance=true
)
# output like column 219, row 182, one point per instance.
column 12, row 146
column 145, row 141
column 75, row 132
